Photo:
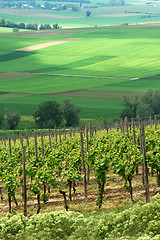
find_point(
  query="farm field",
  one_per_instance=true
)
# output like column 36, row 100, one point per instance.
column 101, row 16
column 95, row 67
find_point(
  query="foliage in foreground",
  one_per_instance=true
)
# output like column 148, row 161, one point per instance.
column 138, row 222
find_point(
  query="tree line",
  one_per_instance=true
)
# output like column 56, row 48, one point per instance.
column 32, row 26
column 49, row 114
column 143, row 108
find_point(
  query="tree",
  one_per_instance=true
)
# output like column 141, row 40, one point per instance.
column 152, row 99
column 12, row 118
column 33, row 26
column 55, row 26
column 71, row 112
column 10, row 24
column 144, row 110
column 48, row 114
column 21, row 25
column 146, row 107
column 131, row 107
column 15, row 29
column 88, row 13
column 2, row 22
column 41, row 27
column 1, row 120
column 46, row 26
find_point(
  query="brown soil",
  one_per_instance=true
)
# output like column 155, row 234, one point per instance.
column 13, row 75
column 48, row 44
column 116, row 196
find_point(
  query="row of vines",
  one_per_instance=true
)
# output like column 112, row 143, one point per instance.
column 39, row 164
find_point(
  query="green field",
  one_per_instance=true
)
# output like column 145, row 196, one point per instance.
column 101, row 16
column 95, row 71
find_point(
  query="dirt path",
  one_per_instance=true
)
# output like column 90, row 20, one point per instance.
column 84, row 76
column 10, row 75
column 48, row 44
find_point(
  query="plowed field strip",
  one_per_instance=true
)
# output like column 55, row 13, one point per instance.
column 48, row 44
column 34, row 14
column 96, row 94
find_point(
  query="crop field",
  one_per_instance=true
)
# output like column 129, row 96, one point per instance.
column 96, row 69
column 101, row 16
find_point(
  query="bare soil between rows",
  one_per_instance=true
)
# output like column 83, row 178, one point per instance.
column 115, row 197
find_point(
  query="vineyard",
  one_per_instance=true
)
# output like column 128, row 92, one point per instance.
column 33, row 167
column 37, row 166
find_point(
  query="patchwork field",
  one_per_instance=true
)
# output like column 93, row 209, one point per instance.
column 101, row 16
column 96, row 71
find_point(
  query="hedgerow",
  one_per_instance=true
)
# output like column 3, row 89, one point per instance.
column 140, row 222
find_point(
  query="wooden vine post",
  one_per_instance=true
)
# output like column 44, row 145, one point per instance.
column 21, row 139
column 14, row 139
column 9, row 141
column 117, row 127
column 70, row 132
column 36, row 156
column 27, row 137
column 143, row 151
column 134, row 137
column 151, row 123
column 95, row 130
column 126, row 126
column 90, row 130
column 24, row 182
column 49, row 136
column 55, row 129
column 122, row 126
column 134, row 133
column 155, row 122
column 64, row 133
column 9, row 196
column 42, row 142
column 83, row 166
column 36, row 150
column 59, row 131
column 87, row 148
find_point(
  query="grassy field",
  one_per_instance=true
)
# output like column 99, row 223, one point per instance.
column 95, row 71
column 101, row 16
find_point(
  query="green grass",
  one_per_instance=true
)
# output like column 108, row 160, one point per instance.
column 103, row 60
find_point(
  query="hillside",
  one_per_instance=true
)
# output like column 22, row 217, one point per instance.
column 95, row 70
